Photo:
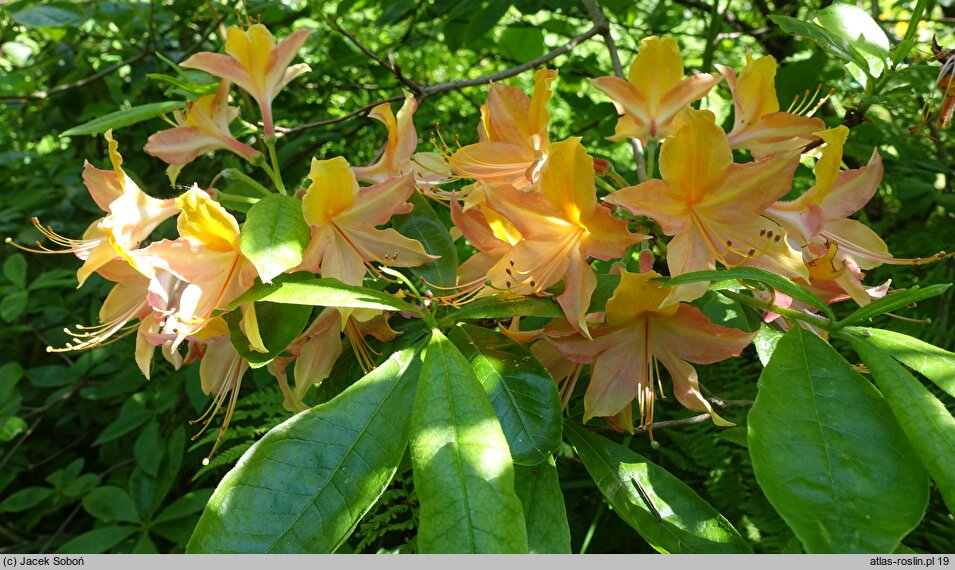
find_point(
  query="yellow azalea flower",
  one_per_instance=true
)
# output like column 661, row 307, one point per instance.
column 714, row 207
column 203, row 127
column 343, row 218
column 399, row 155
column 561, row 225
column 640, row 331
column 204, row 269
column 131, row 215
column 656, row 90
column 835, row 246
column 759, row 125
column 256, row 64
column 513, row 133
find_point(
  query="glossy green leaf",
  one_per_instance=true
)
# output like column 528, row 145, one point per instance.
column 148, row 449
column 279, row 324
column 827, row 40
column 306, row 289
column 274, row 235
column 506, row 305
column 934, row 363
column 538, row 488
column 424, row 225
column 49, row 16
column 305, row 485
column 765, row 341
column 463, row 473
column 522, row 42
column 98, row 540
column 929, row 425
column 778, row 282
column 15, row 270
column 11, row 427
column 686, row 524
column 111, row 504
column 24, row 499
column 828, row 454
column 521, row 390
column 856, row 26
column 123, row 118
column 894, row 301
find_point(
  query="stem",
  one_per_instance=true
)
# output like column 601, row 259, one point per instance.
column 615, row 177
column 651, row 155
column 236, row 174
column 425, row 315
column 276, row 173
column 226, row 197
column 638, row 155
column 820, row 322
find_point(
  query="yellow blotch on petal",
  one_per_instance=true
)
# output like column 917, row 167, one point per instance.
column 637, row 295
column 332, row 191
column 657, row 69
column 252, row 48
column 827, row 168
column 204, row 220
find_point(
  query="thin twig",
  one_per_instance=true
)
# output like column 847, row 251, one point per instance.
column 393, row 69
column 426, row 91
column 41, row 95
column 603, row 25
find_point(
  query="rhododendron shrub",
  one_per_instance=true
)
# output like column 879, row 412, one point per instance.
column 581, row 307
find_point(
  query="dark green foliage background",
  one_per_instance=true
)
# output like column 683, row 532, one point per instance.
column 95, row 458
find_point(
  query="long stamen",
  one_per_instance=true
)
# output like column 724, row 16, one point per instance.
column 856, row 250
column 74, row 246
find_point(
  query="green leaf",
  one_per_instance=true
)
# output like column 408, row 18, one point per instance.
column 279, row 324
column 15, row 270
column 927, row 359
column 187, row 505
column 759, row 275
column 274, row 235
column 539, row 491
column 13, row 305
column 521, row 391
column 687, row 523
column 305, row 485
column 111, row 504
column 305, row 289
column 507, row 305
column 25, row 499
column 484, row 20
column 10, row 427
column 97, row 541
column 123, row 118
column 424, row 225
column 148, row 449
column 132, row 414
column 855, row 26
column 48, row 16
column 463, row 474
column 828, row 454
column 522, row 42
column 735, row 435
column 827, row 40
column 893, row 301
column 924, row 419
column 765, row 341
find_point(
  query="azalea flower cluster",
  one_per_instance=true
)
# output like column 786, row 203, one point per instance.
column 531, row 211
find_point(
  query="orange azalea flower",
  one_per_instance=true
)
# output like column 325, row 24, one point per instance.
column 486, row 230
column 656, row 90
column 203, row 127
column 131, row 216
column 642, row 329
column 399, row 156
column 201, row 271
column 714, row 207
column 561, row 226
column 343, row 218
column 759, row 126
column 256, row 64
column 513, row 133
